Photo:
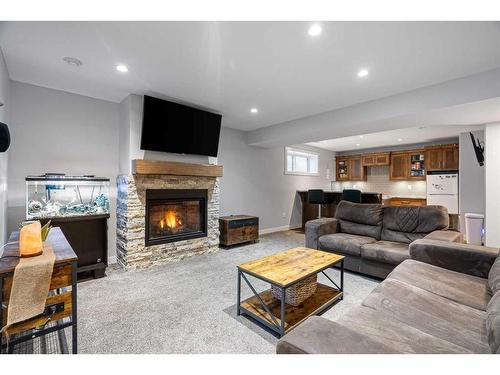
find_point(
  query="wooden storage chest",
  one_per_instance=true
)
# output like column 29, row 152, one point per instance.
column 237, row 229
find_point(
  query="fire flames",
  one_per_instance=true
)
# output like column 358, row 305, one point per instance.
column 170, row 220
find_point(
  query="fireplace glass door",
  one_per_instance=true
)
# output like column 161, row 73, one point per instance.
column 175, row 215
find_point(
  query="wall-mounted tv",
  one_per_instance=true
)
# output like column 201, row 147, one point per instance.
column 173, row 127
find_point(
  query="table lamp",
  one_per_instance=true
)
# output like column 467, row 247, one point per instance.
column 30, row 240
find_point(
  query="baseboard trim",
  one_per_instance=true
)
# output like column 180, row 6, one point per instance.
column 278, row 229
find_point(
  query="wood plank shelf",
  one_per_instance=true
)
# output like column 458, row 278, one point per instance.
column 320, row 300
column 158, row 167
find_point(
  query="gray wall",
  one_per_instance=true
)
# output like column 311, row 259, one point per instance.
column 254, row 181
column 472, row 193
column 56, row 131
column 5, row 97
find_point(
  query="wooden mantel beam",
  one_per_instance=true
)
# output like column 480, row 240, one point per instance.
column 158, row 167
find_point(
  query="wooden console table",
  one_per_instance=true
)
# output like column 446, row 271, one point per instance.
column 61, row 305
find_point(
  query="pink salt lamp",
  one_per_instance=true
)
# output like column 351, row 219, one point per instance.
column 30, row 240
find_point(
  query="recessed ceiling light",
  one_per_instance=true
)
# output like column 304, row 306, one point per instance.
column 315, row 30
column 400, row 139
column 254, row 110
column 358, row 144
column 360, row 136
column 122, row 68
column 362, row 73
column 73, row 61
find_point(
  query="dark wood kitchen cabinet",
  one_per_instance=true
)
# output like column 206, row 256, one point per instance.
column 350, row 168
column 358, row 171
column 343, row 170
column 450, row 157
column 399, row 165
column 408, row 165
column 441, row 157
column 371, row 160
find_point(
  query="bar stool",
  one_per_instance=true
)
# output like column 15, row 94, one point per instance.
column 318, row 196
column 351, row 195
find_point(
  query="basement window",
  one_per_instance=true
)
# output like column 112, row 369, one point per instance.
column 301, row 162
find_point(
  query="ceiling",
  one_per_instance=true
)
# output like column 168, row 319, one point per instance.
column 394, row 138
column 230, row 67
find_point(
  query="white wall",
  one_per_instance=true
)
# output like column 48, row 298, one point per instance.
column 254, row 181
column 56, row 131
column 471, row 178
column 5, row 97
column 492, row 178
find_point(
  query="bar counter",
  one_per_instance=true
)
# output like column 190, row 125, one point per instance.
column 310, row 211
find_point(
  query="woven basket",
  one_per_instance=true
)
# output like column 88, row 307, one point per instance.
column 297, row 293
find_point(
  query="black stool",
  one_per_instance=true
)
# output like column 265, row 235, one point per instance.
column 317, row 196
column 351, row 195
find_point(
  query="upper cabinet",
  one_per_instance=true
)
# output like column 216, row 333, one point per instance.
column 370, row 160
column 408, row 165
column 358, row 171
column 342, row 167
column 442, row 157
column 399, row 166
column 350, row 168
column 404, row 165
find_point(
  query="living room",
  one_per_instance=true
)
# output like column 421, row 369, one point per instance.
column 249, row 187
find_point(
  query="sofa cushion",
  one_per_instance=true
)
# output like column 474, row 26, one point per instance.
column 344, row 243
column 431, row 313
column 386, row 252
column 409, row 223
column 493, row 323
column 494, row 276
column 360, row 219
column 394, row 334
column 465, row 289
column 318, row 335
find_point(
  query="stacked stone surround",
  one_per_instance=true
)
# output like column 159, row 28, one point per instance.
column 130, row 214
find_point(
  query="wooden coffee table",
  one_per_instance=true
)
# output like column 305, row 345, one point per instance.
column 283, row 270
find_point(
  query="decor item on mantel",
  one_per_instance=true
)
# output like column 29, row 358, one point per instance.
column 162, row 230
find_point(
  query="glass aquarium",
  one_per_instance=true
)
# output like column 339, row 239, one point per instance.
column 56, row 195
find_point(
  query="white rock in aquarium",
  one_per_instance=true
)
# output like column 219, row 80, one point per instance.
column 34, row 206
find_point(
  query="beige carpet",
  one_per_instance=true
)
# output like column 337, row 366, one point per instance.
column 187, row 307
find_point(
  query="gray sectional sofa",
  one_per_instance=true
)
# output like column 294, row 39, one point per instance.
column 376, row 238
column 445, row 299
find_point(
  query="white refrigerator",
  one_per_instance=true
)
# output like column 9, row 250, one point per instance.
column 442, row 190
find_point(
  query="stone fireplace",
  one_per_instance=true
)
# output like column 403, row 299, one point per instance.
column 166, row 215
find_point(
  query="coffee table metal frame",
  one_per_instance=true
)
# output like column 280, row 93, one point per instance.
column 279, row 328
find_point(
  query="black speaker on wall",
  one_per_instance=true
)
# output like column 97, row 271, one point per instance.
column 4, row 137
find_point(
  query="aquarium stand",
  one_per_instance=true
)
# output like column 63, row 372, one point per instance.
column 88, row 236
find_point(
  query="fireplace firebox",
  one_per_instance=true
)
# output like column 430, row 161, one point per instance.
column 175, row 215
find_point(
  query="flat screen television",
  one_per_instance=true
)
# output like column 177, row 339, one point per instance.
column 173, row 127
